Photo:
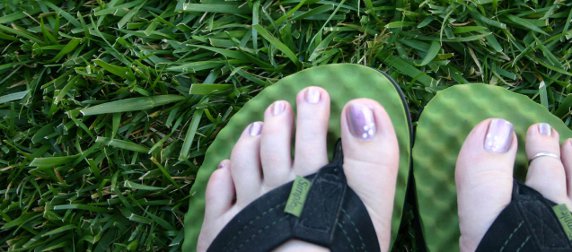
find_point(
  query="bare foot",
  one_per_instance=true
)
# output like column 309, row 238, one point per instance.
column 484, row 174
column 261, row 161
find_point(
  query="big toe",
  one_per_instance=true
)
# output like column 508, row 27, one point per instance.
column 371, row 159
column 484, row 170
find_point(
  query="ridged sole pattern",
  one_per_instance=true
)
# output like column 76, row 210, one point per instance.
column 343, row 82
column 441, row 130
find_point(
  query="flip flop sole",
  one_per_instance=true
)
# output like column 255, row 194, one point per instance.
column 344, row 82
column 441, row 130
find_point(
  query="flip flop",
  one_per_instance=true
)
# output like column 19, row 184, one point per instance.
column 343, row 82
column 445, row 122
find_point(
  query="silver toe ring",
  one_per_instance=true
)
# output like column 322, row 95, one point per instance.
column 544, row 154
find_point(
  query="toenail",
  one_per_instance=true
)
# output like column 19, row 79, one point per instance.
column 361, row 121
column 255, row 128
column 499, row 136
column 544, row 129
column 278, row 107
column 221, row 165
column 312, row 95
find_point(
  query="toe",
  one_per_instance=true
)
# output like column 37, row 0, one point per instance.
column 484, row 169
column 220, row 193
column 566, row 155
column 371, row 159
column 275, row 145
column 545, row 173
column 245, row 164
column 219, row 196
column 312, row 115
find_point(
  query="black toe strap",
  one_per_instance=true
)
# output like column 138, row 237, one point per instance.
column 320, row 209
column 529, row 223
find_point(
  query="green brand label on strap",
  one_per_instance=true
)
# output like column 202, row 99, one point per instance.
column 565, row 218
column 297, row 198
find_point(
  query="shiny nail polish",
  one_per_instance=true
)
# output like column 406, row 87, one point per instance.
column 278, row 107
column 499, row 136
column 312, row 95
column 361, row 121
column 544, row 129
column 255, row 129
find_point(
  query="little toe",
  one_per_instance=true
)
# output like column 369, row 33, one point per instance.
column 484, row 169
column 312, row 115
column 371, row 161
column 275, row 145
column 566, row 156
column 219, row 196
column 545, row 172
column 245, row 164
column 220, row 193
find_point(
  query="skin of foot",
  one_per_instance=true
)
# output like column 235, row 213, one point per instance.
column 261, row 160
column 484, row 170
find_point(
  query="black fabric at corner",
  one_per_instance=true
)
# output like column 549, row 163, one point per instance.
column 526, row 224
column 333, row 216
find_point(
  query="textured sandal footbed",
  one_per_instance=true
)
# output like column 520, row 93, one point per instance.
column 344, row 82
column 443, row 126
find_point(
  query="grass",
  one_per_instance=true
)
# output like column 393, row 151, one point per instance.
column 107, row 107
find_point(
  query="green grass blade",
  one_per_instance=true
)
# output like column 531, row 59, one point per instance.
column 137, row 186
column 122, row 144
column 194, row 67
column 131, row 104
column 526, row 24
column 191, row 132
column 64, row 14
column 21, row 33
column 122, row 72
column 494, row 43
column 403, row 67
column 543, row 94
column 205, row 89
column 565, row 107
column 431, row 53
column 399, row 24
column 226, row 8
column 12, row 17
column 59, row 230
column 277, row 43
column 53, row 161
column 70, row 47
column 117, row 10
column 13, row 96
column 79, row 207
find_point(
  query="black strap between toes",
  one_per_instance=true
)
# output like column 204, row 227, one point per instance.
column 528, row 223
column 333, row 216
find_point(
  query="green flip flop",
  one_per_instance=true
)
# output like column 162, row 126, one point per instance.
column 443, row 126
column 343, row 82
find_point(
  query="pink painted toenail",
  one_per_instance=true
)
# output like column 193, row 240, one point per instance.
column 544, row 129
column 278, row 107
column 361, row 121
column 499, row 136
column 221, row 165
column 312, row 95
column 255, row 128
